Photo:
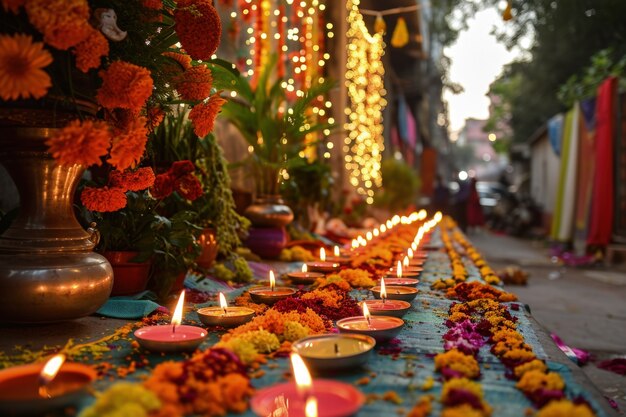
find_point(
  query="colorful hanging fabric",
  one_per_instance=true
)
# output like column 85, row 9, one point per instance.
column 400, row 35
column 379, row 24
column 555, row 132
column 601, row 222
column 586, row 171
column 563, row 220
column 588, row 108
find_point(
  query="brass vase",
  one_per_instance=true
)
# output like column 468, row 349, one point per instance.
column 269, row 211
column 48, row 271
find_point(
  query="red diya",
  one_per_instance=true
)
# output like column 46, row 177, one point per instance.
column 304, row 277
column 307, row 397
column 272, row 294
column 380, row 328
column 174, row 337
column 38, row 389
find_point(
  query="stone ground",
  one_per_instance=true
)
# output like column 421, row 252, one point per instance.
column 586, row 307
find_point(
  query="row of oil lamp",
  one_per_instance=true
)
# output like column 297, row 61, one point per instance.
column 30, row 389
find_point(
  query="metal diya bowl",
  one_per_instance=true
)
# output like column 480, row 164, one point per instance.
column 395, row 292
column 335, row 352
column 235, row 316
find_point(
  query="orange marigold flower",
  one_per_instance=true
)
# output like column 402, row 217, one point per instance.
column 128, row 146
column 203, row 115
column 195, row 83
column 183, row 59
column 90, row 51
column 155, row 117
column 12, row 5
column 132, row 180
column 198, row 27
column 80, row 143
column 21, row 63
column 103, row 199
column 125, row 86
column 63, row 23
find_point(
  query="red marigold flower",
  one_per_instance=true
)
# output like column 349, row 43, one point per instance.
column 125, row 86
column 155, row 117
column 128, row 146
column 189, row 187
column 203, row 115
column 183, row 59
column 103, row 199
column 80, row 143
column 63, row 23
column 137, row 180
column 198, row 27
column 12, row 5
column 163, row 186
column 195, row 83
column 90, row 51
column 180, row 168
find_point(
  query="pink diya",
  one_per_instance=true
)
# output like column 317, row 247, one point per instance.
column 307, row 397
column 380, row 328
column 38, row 389
column 225, row 316
column 172, row 338
column 272, row 294
column 304, row 277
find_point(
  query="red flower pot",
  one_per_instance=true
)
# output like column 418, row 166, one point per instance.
column 128, row 277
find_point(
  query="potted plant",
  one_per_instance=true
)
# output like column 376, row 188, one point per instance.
column 276, row 129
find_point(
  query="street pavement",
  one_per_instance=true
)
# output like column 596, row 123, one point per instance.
column 585, row 307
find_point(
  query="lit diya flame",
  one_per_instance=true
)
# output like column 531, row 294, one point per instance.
column 422, row 214
column 383, row 290
column 223, row 303
column 389, row 224
column 272, row 280
column 414, row 246
column 355, row 244
column 376, row 232
column 49, row 371
column 336, row 250
column 410, row 253
column 405, row 262
column 438, row 217
column 366, row 314
column 362, row 241
column 177, row 317
column 395, row 220
column 322, row 254
column 383, row 228
column 305, row 268
column 399, row 270
column 368, row 236
column 301, row 374
column 310, row 408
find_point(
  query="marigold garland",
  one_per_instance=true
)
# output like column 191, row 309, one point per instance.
column 21, row 63
column 198, row 27
column 125, row 86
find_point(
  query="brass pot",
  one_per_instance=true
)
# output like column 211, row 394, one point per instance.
column 269, row 211
column 48, row 271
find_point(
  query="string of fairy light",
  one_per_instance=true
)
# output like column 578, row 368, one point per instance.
column 364, row 145
column 300, row 48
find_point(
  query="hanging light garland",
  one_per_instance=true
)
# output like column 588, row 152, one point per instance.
column 364, row 145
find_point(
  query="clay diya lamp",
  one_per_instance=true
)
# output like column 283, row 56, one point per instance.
column 322, row 265
column 307, row 397
column 404, row 272
column 385, row 307
column 331, row 352
column 395, row 292
column 304, row 277
column 380, row 328
column 337, row 257
column 37, row 389
column 174, row 337
column 272, row 294
column 225, row 316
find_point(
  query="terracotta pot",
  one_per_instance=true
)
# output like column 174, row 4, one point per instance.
column 48, row 271
column 128, row 277
column 207, row 240
column 269, row 211
column 267, row 242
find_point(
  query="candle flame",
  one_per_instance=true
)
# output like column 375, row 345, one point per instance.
column 383, row 228
column 410, row 253
column 51, row 368
column 223, row 302
column 355, row 244
column 414, row 246
column 336, row 250
column 389, row 224
column 301, row 374
column 305, row 268
column 368, row 235
column 376, row 232
column 310, row 408
column 272, row 280
column 421, row 215
column 366, row 312
column 177, row 317
column 322, row 254
column 438, row 217
column 383, row 290
column 405, row 262
column 399, row 270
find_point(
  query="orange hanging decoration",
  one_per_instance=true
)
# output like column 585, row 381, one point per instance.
column 380, row 25
column 400, row 35
column 507, row 14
